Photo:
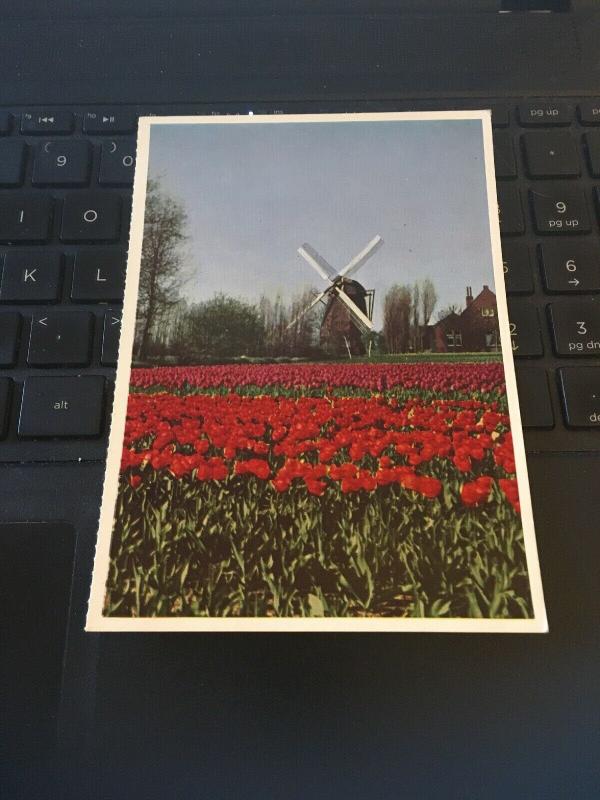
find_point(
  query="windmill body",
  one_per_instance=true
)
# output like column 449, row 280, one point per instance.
column 348, row 315
column 339, row 334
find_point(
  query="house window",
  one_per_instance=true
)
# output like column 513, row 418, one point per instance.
column 492, row 341
column 453, row 340
column 488, row 312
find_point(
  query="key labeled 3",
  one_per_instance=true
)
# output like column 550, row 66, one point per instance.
column 576, row 327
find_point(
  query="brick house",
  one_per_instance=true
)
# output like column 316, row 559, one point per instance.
column 473, row 330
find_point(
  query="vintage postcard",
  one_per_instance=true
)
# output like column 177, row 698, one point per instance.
column 316, row 424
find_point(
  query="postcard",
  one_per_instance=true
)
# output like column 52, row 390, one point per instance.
column 316, row 425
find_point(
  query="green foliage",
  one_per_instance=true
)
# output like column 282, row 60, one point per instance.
column 239, row 548
column 415, row 358
column 222, row 327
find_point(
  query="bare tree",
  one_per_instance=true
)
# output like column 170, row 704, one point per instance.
column 429, row 299
column 275, row 319
column 304, row 331
column 161, row 270
column 453, row 308
column 281, row 338
column 416, row 318
column 397, row 318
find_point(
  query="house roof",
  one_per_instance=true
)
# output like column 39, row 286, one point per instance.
column 453, row 316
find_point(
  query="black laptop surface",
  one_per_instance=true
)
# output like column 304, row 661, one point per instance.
column 218, row 716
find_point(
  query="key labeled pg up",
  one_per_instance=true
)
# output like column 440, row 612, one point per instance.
column 559, row 211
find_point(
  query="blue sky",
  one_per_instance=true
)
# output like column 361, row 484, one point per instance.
column 255, row 192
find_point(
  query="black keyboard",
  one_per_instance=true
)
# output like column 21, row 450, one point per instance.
column 65, row 200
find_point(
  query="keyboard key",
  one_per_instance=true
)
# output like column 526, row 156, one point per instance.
column 5, row 123
column 99, row 275
column 518, row 276
column 10, row 323
column 117, row 162
column 5, row 386
column 63, row 162
column 580, row 389
column 510, row 209
column 110, row 338
column 62, row 406
column 559, row 210
column 589, row 112
column 575, row 326
column 31, row 276
column 500, row 116
column 542, row 113
column 92, row 216
column 524, row 329
column 571, row 266
column 504, row 155
column 109, row 121
column 592, row 146
column 12, row 162
column 60, row 337
column 550, row 154
column 25, row 218
column 41, row 122
column 534, row 397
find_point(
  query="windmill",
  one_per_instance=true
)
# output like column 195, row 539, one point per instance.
column 349, row 305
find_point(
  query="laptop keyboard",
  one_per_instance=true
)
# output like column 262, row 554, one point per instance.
column 65, row 199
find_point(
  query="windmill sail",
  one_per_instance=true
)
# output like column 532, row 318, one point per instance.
column 325, row 270
column 308, row 308
column 356, row 263
column 358, row 317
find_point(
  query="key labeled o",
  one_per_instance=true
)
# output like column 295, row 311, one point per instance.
column 90, row 215
column 127, row 161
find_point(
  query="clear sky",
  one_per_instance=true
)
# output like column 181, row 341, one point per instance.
column 255, row 192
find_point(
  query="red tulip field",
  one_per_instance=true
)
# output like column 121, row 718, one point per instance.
column 318, row 490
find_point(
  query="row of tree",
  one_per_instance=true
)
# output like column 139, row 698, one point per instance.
column 226, row 327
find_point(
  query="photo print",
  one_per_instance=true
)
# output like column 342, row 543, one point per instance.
column 316, row 423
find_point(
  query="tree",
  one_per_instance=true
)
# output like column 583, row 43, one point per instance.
column 397, row 318
column 275, row 319
column 161, row 269
column 428, row 300
column 302, row 332
column 224, row 327
column 287, row 332
column 416, row 318
column 453, row 308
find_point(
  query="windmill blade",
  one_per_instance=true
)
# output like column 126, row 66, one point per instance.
column 325, row 270
column 359, row 317
column 364, row 255
column 310, row 306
